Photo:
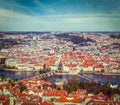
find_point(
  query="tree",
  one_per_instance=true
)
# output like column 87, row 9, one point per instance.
column 13, row 84
column 2, row 77
column 75, row 87
column 44, row 67
column 69, row 90
column 52, row 99
column 21, row 86
column 10, row 80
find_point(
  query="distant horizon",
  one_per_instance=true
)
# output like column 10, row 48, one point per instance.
column 62, row 31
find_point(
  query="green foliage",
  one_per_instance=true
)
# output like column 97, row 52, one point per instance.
column 10, row 80
column 2, row 77
column 21, row 86
column 91, row 87
column 52, row 99
column 9, row 67
column 58, row 88
column 45, row 70
column 12, row 84
column 75, row 87
column 69, row 90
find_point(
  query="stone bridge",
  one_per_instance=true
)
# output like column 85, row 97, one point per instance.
column 44, row 75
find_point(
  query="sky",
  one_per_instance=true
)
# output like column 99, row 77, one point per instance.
column 59, row 15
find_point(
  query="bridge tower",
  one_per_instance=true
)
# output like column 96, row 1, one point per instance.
column 2, row 60
column 60, row 66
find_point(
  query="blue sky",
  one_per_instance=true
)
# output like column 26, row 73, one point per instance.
column 59, row 15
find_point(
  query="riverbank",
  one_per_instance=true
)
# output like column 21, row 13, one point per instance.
column 108, row 74
column 16, row 70
column 96, row 73
column 64, row 74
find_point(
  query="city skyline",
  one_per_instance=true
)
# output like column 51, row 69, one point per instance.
column 63, row 15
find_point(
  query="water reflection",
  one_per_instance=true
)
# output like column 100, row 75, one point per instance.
column 106, row 78
column 23, row 75
column 18, row 75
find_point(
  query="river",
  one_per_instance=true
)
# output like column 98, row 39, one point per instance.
column 23, row 75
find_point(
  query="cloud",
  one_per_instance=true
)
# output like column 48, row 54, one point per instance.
column 16, row 6
column 15, row 21
column 43, row 7
column 75, row 20
column 9, row 13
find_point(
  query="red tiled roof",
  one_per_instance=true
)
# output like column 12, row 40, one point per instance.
column 55, row 92
column 47, row 103
column 69, row 99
